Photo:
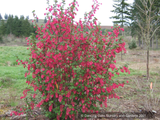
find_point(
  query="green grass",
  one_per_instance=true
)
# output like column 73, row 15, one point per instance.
column 12, row 75
column 9, row 53
column 132, row 73
column 12, row 79
column 14, row 72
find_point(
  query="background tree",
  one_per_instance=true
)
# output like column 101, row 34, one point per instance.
column 157, row 35
column 17, row 26
column 36, row 20
column 22, row 17
column 45, row 20
column 5, row 16
column 3, row 28
column 25, row 28
column 9, row 24
column 135, row 16
column 148, row 22
column 27, row 17
column 1, row 17
column 135, row 32
column 135, row 29
column 122, row 13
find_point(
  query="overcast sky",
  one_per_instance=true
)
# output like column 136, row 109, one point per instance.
column 25, row 7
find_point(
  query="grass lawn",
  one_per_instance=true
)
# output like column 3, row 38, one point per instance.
column 12, row 80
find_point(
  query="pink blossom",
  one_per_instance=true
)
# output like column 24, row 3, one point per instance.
column 56, row 95
column 109, row 33
column 122, row 29
column 50, row 107
column 60, row 98
column 122, row 70
column 42, row 76
column 25, row 74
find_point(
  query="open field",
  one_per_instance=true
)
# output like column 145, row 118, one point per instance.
column 134, row 96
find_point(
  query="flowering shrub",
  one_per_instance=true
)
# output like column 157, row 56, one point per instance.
column 72, row 63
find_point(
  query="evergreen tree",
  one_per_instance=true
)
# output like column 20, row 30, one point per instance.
column 9, row 15
column 20, row 26
column 26, row 29
column 22, row 17
column 6, row 16
column 36, row 20
column 122, row 13
column 3, row 28
column 1, row 17
column 8, row 30
column 17, row 26
column 9, row 24
column 27, row 17
column 45, row 20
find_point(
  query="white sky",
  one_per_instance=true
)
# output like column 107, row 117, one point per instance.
column 25, row 7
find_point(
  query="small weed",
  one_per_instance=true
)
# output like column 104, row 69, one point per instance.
column 13, row 103
column 153, row 73
column 132, row 44
column 14, row 63
column 5, row 82
column 149, row 93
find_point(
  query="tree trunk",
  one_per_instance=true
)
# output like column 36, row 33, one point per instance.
column 10, row 31
column 139, row 40
column 156, row 42
column 142, row 44
column 153, row 43
column 148, row 63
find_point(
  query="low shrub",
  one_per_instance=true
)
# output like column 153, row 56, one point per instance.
column 132, row 44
